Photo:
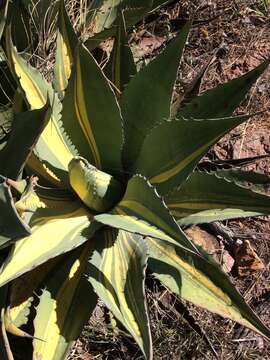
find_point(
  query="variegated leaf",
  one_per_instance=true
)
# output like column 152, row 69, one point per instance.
column 12, row 227
column 65, row 304
column 210, row 197
column 117, row 274
column 3, row 15
column 53, row 147
column 146, row 100
column 57, row 228
column 65, row 50
column 4, row 352
column 26, row 128
column 132, row 10
column 184, row 143
column 23, row 289
column 222, row 100
column 121, row 67
column 104, row 14
column 202, row 282
column 90, row 107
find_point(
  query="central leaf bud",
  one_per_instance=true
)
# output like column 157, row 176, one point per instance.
column 98, row 190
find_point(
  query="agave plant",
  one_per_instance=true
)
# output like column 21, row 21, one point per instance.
column 118, row 175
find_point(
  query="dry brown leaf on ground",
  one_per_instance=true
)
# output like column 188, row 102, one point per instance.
column 246, row 259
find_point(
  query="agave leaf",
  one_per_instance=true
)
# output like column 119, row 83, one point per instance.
column 104, row 15
column 19, row 104
column 105, row 19
column 45, row 173
column 57, row 228
column 22, row 290
column 193, row 89
column 135, row 10
column 3, row 17
column 65, row 50
column 142, row 211
column 219, row 164
column 146, row 100
column 94, row 7
column 90, row 107
column 19, row 314
column 12, row 328
column 211, row 197
column 241, row 177
column 65, row 304
column 19, row 20
column 26, row 128
column 95, row 40
column 105, row 23
column 98, row 190
column 158, row 3
column 4, row 355
column 7, row 83
column 202, row 282
column 222, row 100
column 6, row 118
column 257, row 182
column 208, row 216
column 117, row 274
column 11, row 225
column 53, row 147
column 178, row 155
column 121, row 66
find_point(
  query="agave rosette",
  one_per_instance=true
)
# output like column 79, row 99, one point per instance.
column 116, row 174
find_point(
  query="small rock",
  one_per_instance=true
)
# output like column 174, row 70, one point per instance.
column 227, row 262
column 202, row 238
column 211, row 245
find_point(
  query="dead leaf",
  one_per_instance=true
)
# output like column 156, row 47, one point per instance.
column 246, row 259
